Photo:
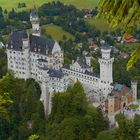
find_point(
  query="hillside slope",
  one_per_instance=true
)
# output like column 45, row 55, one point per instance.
column 8, row 4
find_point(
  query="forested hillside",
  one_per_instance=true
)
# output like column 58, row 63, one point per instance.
column 72, row 117
column 26, row 113
column 3, row 62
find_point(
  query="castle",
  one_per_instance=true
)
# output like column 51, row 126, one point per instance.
column 32, row 56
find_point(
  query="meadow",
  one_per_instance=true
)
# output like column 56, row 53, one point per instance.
column 56, row 32
column 9, row 4
column 100, row 24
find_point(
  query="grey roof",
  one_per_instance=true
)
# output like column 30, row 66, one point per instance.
column 37, row 44
column 34, row 13
column 41, row 45
column 91, row 73
column 118, row 87
column 66, row 66
column 1, row 44
column 82, row 64
column 15, row 41
column 56, row 73
column 88, row 55
column 106, row 46
column 25, row 35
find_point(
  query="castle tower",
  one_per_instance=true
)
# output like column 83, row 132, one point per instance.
column 134, row 90
column 26, row 53
column 106, row 74
column 111, row 105
column 34, row 19
column 88, row 58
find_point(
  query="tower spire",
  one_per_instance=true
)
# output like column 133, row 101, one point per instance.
column 34, row 18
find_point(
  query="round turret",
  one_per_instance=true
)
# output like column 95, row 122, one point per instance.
column 105, row 50
column 34, row 18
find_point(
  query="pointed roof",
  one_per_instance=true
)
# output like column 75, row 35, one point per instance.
column 106, row 46
column 41, row 45
column 88, row 55
column 15, row 41
column 56, row 73
column 34, row 13
column 37, row 44
column 82, row 64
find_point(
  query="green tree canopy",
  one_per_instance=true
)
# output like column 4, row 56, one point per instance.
column 5, row 101
column 73, row 118
column 34, row 137
column 105, row 135
column 139, row 134
column 26, row 113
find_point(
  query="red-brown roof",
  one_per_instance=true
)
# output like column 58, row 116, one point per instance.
column 130, row 39
column 92, row 46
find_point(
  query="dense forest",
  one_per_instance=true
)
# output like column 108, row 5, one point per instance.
column 26, row 113
column 72, row 117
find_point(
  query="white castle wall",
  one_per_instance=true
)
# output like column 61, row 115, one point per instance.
column 26, row 64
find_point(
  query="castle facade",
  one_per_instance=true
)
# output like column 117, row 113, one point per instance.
column 32, row 56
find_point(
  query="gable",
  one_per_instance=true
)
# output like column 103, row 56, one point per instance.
column 56, row 48
column 76, row 64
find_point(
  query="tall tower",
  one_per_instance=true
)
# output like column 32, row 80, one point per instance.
column 34, row 19
column 26, row 54
column 106, row 74
column 134, row 90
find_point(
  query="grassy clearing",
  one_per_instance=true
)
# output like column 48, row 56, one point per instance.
column 5, row 38
column 56, row 32
column 134, row 106
column 8, row 4
column 100, row 24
